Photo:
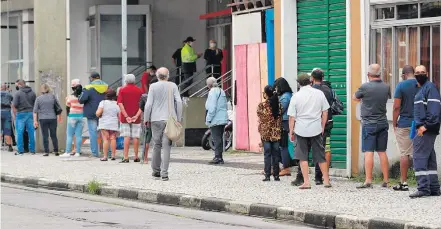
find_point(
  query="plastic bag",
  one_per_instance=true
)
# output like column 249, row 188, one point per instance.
column 120, row 143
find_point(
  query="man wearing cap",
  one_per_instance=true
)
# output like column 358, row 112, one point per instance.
column 91, row 97
column 402, row 121
column 308, row 115
column 189, row 57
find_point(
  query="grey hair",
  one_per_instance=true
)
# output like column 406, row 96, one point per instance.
column 373, row 71
column 130, row 79
column 212, row 82
column 162, row 76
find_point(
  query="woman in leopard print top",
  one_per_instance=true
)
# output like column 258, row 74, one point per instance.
column 269, row 113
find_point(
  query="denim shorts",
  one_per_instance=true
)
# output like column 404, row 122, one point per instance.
column 374, row 137
column 6, row 124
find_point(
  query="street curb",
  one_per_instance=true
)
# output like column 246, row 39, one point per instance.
column 315, row 218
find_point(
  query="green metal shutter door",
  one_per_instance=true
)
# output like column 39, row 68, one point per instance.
column 321, row 34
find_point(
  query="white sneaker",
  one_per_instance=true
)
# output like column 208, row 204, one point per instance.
column 65, row 155
column 77, row 155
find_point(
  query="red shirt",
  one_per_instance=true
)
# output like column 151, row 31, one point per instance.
column 145, row 81
column 129, row 96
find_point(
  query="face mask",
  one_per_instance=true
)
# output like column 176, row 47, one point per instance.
column 17, row 88
column 190, row 43
column 421, row 78
column 212, row 45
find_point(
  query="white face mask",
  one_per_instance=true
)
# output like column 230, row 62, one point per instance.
column 212, row 45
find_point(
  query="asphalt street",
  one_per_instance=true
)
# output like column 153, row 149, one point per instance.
column 23, row 207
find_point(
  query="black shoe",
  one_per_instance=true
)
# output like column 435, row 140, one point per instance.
column 56, row 154
column 137, row 160
column 215, row 161
column 221, row 161
column 365, row 185
column 276, row 178
column 156, row 175
column 418, row 194
column 124, row 161
column 164, row 179
column 10, row 149
column 435, row 193
column 266, row 179
column 112, row 159
column 298, row 181
column 401, row 187
column 45, row 154
column 318, row 181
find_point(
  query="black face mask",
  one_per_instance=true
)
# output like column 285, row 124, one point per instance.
column 421, row 78
column 17, row 88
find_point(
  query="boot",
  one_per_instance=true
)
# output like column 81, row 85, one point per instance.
column 285, row 172
column 299, row 179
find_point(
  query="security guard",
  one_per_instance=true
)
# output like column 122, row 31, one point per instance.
column 427, row 108
column 189, row 57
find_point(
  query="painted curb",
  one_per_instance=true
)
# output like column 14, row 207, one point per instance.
column 315, row 218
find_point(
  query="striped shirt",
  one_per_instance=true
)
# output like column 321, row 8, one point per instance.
column 76, row 109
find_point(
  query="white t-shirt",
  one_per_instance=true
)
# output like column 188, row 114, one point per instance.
column 109, row 118
column 306, row 106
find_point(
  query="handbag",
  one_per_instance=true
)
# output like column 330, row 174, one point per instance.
column 57, row 106
column 173, row 128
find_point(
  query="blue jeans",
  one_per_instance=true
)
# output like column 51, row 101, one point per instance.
column 92, row 125
column 74, row 127
column 6, row 122
column 25, row 119
column 271, row 156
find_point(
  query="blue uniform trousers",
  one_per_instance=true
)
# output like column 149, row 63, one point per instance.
column 424, row 162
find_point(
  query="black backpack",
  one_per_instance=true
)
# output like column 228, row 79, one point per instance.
column 337, row 105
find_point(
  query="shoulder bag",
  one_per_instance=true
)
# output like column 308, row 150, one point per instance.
column 57, row 106
column 173, row 128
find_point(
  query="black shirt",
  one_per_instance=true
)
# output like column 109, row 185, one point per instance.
column 177, row 57
column 212, row 57
column 328, row 94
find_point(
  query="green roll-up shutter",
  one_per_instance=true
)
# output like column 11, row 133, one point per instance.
column 321, row 34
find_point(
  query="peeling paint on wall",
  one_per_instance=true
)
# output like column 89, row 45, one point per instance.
column 54, row 82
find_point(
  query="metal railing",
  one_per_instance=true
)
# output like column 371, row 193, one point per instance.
column 138, row 71
column 203, row 71
column 226, row 77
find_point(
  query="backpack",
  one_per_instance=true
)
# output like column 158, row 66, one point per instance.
column 337, row 105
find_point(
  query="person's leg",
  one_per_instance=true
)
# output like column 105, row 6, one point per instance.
column 105, row 136
column 382, row 138
column 318, row 157
column 126, row 133
column 92, row 125
column 267, row 160
column 126, row 147
column 421, row 157
column 404, row 144
column 70, row 131
column 302, row 151
column 20, row 125
column 432, row 166
column 217, row 135
column 136, row 134
column 78, row 135
column 44, row 126
column 53, row 134
column 275, row 159
column 368, row 145
column 166, row 148
column 284, row 152
column 157, row 135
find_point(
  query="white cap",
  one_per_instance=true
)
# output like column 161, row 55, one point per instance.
column 75, row 82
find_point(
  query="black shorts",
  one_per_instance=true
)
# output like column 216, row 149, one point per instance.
column 303, row 146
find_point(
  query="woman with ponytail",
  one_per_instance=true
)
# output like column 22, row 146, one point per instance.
column 270, row 113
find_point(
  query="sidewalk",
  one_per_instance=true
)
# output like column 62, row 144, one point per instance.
column 239, row 179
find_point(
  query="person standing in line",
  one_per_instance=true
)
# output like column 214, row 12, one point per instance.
column 308, row 111
column 216, row 118
column 47, row 111
column 148, row 130
column 189, row 58
column 23, row 105
column 147, row 77
column 284, row 92
column 270, row 113
column 6, row 116
column 213, row 56
column 427, row 116
column 177, row 61
column 130, row 116
column 91, row 97
column 402, row 121
column 163, row 101
column 107, row 112
column 74, row 128
column 373, row 97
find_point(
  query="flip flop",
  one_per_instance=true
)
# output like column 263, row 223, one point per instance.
column 305, row 187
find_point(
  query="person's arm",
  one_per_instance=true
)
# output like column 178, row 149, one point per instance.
column 358, row 94
column 35, row 112
column 84, row 97
column 292, row 113
column 15, row 102
column 138, row 113
column 178, row 102
column 100, row 109
column 148, row 106
column 325, row 109
column 59, row 117
column 175, row 56
column 433, row 110
column 144, row 81
column 121, row 107
column 397, row 106
column 211, row 106
column 206, row 54
column 260, row 111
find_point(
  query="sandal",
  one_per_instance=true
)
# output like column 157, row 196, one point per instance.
column 365, row 185
column 137, row 160
column 112, row 158
column 124, row 161
column 401, row 187
column 328, row 185
column 103, row 159
column 305, row 187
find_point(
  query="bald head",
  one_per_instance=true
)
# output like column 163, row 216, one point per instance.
column 420, row 69
column 407, row 72
column 374, row 70
column 162, row 74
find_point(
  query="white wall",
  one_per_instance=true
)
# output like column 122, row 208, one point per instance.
column 173, row 21
column 289, row 41
column 247, row 29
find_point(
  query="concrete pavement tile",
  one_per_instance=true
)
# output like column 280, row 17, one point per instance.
column 351, row 222
column 148, row 196
column 414, row 225
column 376, row 223
column 77, row 187
column 190, row 201
column 291, row 214
column 214, row 204
column 169, row 198
column 323, row 219
column 238, row 207
column 263, row 210
column 128, row 194
column 109, row 191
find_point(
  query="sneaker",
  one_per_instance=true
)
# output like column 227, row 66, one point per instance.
column 77, row 155
column 10, row 149
column 65, row 155
column 156, row 175
column 18, row 154
column 164, row 178
column 418, row 194
column 365, row 185
column 401, row 187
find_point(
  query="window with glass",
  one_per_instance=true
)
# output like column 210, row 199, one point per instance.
column 12, row 48
column 395, row 43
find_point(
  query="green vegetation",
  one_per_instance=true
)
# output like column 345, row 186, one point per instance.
column 378, row 179
column 94, row 187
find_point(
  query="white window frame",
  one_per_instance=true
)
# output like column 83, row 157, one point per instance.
column 20, row 60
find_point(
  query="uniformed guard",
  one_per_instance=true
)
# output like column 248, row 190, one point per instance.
column 427, row 108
